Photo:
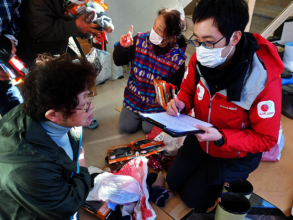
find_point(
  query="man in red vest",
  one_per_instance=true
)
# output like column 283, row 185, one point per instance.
column 232, row 82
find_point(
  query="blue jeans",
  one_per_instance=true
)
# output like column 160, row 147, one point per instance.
column 9, row 97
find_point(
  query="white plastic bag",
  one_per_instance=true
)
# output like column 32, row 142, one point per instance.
column 288, row 56
column 179, row 7
column 118, row 189
column 117, row 71
column 172, row 145
column 105, row 59
column 93, row 58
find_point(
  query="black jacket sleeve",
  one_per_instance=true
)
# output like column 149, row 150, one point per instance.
column 122, row 55
column 42, row 191
column 46, row 21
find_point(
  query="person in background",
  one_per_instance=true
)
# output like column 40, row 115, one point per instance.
column 233, row 83
column 45, row 29
column 40, row 142
column 159, row 54
column 9, row 29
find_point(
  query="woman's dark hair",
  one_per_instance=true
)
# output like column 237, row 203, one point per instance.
column 54, row 83
column 228, row 15
column 174, row 22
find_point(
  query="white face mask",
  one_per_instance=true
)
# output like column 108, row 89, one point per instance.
column 155, row 38
column 211, row 57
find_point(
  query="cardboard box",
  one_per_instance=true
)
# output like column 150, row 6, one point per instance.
column 85, row 41
column 119, row 109
column 94, row 89
column 86, row 47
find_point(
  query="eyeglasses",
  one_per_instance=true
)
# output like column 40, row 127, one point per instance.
column 87, row 105
column 207, row 44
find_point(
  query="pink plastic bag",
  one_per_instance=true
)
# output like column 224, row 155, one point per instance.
column 138, row 169
column 274, row 155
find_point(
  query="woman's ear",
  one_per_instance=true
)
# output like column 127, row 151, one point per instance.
column 52, row 115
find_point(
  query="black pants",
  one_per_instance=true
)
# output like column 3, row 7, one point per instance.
column 199, row 177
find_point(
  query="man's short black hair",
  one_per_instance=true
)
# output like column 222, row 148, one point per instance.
column 229, row 15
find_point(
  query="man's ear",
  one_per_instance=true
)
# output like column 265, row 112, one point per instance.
column 236, row 38
column 52, row 115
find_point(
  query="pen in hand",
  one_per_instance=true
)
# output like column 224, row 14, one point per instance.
column 178, row 114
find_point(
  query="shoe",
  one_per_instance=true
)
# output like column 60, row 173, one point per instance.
column 94, row 124
column 286, row 75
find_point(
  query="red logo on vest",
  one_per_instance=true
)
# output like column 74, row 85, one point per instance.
column 265, row 107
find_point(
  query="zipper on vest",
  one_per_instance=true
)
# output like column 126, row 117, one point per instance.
column 210, row 109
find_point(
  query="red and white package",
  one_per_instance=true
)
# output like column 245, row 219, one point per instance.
column 138, row 169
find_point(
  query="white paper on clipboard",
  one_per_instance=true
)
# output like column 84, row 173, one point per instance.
column 181, row 123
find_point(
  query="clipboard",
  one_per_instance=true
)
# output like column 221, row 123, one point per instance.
column 172, row 133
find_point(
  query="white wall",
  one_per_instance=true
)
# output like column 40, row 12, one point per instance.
column 139, row 13
column 287, row 33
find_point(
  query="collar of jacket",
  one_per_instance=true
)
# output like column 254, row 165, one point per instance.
column 254, row 82
column 33, row 144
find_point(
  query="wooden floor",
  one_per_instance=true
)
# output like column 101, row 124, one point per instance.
column 97, row 141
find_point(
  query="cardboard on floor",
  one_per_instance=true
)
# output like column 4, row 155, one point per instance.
column 119, row 109
column 273, row 181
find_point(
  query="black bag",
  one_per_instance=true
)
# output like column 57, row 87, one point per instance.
column 287, row 100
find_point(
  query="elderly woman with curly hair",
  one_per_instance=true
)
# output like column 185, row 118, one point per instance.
column 39, row 142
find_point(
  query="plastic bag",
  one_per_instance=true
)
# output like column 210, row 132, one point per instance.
column 274, row 155
column 179, row 7
column 138, row 169
column 288, row 56
column 117, row 71
column 93, row 58
column 171, row 144
column 105, row 59
column 118, row 189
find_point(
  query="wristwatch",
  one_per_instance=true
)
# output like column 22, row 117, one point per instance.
column 220, row 142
